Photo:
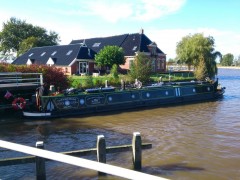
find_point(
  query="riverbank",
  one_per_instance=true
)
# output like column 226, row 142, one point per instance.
column 229, row 67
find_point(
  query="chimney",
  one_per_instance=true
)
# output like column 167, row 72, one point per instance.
column 141, row 31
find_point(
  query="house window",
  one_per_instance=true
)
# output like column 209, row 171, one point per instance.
column 30, row 55
column 96, row 44
column 69, row 52
column 162, row 65
column 153, row 65
column 53, row 53
column 43, row 53
column 158, row 63
column 134, row 48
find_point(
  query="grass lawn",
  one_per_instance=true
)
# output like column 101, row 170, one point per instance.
column 90, row 81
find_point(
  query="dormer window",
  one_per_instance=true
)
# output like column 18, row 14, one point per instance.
column 153, row 48
column 69, row 52
column 96, row 44
column 43, row 53
column 51, row 61
column 30, row 61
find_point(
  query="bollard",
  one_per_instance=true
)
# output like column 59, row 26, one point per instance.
column 123, row 85
column 101, row 151
column 40, row 163
column 52, row 89
column 106, row 83
column 137, row 151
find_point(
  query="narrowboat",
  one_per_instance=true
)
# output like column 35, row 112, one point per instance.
column 91, row 101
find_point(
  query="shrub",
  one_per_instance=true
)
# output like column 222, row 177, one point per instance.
column 201, row 70
column 87, row 82
column 114, row 71
column 51, row 75
column 97, row 82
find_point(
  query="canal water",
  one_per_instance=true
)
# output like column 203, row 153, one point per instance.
column 191, row 141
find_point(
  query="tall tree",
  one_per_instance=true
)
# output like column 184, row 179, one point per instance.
column 141, row 68
column 183, row 53
column 27, row 44
column 15, row 33
column 227, row 60
column 196, row 48
column 109, row 56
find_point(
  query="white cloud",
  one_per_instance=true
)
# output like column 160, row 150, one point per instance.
column 114, row 11
column 5, row 16
column 167, row 39
column 111, row 11
column 153, row 9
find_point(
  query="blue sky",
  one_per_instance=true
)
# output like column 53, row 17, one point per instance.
column 163, row 21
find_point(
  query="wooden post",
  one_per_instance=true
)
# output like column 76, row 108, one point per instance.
column 101, row 151
column 137, row 151
column 40, row 163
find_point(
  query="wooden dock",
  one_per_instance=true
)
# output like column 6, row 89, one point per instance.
column 40, row 155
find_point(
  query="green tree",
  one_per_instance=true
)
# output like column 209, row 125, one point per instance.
column 237, row 61
column 114, row 71
column 196, row 48
column 201, row 70
column 27, row 44
column 227, row 60
column 141, row 68
column 15, row 33
column 109, row 56
column 171, row 61
column 183, row 52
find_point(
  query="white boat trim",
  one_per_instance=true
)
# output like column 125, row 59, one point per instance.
column 36, row 114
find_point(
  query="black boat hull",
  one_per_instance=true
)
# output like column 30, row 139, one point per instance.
column 91, row 103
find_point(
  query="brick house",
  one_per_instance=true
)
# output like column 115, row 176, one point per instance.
column 78, row 56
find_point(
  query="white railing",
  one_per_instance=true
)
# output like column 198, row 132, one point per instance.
column 18, row 78
column 97, row 166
